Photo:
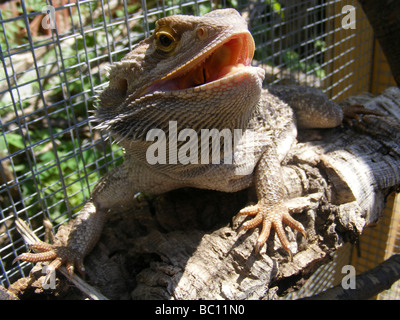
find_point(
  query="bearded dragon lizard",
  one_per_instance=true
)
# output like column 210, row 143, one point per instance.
column 196, row 73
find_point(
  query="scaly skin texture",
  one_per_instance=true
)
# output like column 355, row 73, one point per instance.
column 195, row 72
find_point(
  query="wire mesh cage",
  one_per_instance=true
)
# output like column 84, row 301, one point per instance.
column 54, row 56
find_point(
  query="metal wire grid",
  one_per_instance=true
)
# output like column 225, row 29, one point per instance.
column 29, row 70
column 376, row 244
column 50, row 155
column 326, row 276
column 379, row 243
column 289, row 45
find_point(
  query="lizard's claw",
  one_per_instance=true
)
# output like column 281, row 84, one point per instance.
column 58, row 255
column 270, row 216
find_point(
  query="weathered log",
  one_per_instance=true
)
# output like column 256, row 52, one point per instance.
column 183, row 244
column 337, row 181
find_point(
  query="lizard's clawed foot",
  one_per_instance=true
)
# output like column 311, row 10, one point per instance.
column 355, row 110
column 270, row 216
column 58, row 255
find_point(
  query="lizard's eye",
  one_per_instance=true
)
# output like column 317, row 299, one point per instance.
column 165, row 41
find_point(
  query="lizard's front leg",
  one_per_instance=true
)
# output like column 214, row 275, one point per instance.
column 270, row 210
column 74, row 241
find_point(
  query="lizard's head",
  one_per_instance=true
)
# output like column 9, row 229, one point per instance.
column 188, row 58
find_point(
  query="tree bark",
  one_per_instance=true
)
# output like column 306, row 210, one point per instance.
column 384, row 17
column 183, row 244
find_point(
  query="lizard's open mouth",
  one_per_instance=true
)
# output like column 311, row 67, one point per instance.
column 225, row 59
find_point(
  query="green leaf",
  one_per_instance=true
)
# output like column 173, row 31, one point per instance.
column 277, row 8
column 15, row 140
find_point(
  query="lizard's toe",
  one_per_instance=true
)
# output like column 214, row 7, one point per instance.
column 270, row 216
column 56, row 255
column 354, row 112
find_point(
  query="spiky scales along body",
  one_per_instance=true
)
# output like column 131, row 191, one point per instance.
column 194, row 74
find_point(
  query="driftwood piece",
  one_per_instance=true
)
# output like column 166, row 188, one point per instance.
column 183, row 244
